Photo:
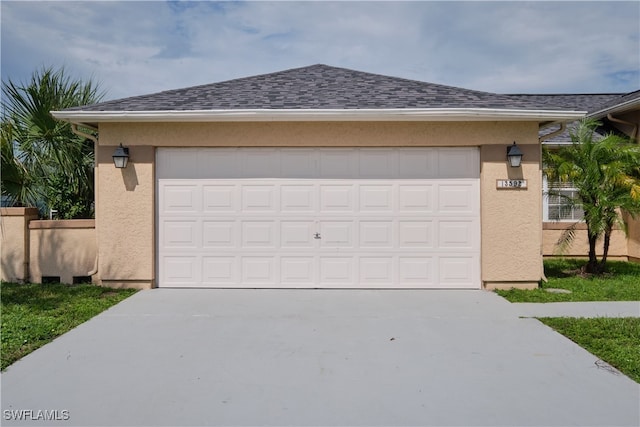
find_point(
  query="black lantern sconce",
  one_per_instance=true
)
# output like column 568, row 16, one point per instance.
column 121, row 157
column 514, row 155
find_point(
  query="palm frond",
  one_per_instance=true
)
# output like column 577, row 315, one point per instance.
column 44, row 146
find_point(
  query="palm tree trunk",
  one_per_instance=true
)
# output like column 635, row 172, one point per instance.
column 592, row 265
column 607, row 241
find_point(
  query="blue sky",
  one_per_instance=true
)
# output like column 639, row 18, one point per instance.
column 138, row 47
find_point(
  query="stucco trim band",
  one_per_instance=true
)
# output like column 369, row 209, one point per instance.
column 62, row 223
column 19, row 212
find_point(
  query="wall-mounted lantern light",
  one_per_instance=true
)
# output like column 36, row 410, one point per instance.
column 121, row 157
column 514, row 155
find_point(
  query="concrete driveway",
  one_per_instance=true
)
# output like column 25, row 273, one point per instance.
column 315, row 357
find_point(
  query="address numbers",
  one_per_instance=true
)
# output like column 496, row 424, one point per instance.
column 511, row 184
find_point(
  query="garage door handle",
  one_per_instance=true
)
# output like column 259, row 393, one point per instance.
column 317, row 236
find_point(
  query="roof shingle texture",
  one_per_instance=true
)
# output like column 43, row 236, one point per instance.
column 319, row 87
column 580, row 102
column 629, row 98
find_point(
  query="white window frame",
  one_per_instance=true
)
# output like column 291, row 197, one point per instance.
column 576, row 212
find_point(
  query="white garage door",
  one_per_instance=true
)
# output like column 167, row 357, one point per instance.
column 319, row 218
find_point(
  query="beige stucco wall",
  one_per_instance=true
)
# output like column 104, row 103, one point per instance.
column 125, row 218
column 62, row 248
column 14, row 243
column 316, row 134
column 511, row 220
column 580, row 246
column 633, row 242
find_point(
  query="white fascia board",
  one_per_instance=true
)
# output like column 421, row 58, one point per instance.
column 406, row 114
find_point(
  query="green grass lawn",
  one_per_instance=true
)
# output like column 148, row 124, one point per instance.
column 614, row 340
column 620, row 283
column 34, row 314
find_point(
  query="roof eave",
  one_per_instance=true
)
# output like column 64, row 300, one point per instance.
column 261, row 115
column 619, row 108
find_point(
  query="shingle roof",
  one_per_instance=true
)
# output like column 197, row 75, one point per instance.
column 622, row 102
column 583, row 102
column 597, row 106
column 320, row 87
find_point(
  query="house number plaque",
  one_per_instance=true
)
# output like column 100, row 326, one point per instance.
column 511, row 184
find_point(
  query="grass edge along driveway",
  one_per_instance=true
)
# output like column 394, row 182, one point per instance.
column 614, row 340
column 35, row 314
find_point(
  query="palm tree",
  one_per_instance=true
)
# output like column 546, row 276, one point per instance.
column 606, row 174
column 44, row 163
column 15, row 178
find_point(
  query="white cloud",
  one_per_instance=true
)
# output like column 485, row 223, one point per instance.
column 143, row 47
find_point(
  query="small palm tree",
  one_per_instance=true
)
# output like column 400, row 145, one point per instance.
column 41, row 157
column 606, row 173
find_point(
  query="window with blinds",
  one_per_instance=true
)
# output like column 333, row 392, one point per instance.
column 558, row 202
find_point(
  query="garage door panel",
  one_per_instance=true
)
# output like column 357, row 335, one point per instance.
column 180, row 198
column 456, row 270
column 337, row 234
column 376, row 270
column 337, row 163
column 298, row 198
column 337, row 270
column 458, row 163
column 259, row 198
column 298, row 270
column 297, row 234
column 323, row 217
column 259, row 234
column 260, row 163
column 219, row 234
column 219, row 270
column 456, row 234
column 416, row 234
column 376, row 234
column 376, row 198
column 181, row 270
column 174, row 163
column 337, row 198
column 457, row 198
column 297, row 163
column 219, row 198
column 219, row 163
column 416, row 198
column 180, row 234
column 416, row 270
column 417, row 163
column 377, row 163
column 259, row 270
